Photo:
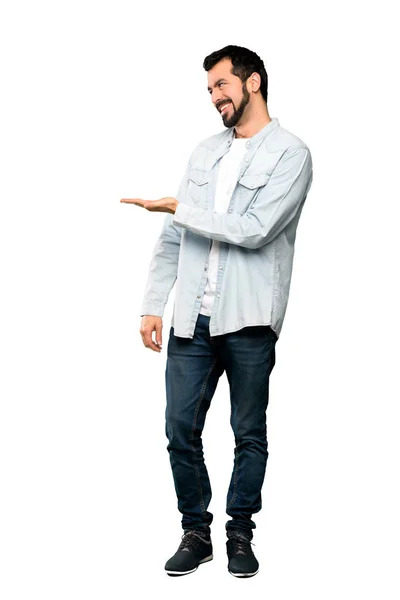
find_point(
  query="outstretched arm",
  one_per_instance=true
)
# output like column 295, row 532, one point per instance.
column 275, row 206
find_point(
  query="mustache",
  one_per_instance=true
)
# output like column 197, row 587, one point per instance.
column 220, row 104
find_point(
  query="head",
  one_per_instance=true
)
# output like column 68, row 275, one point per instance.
column 237, row 79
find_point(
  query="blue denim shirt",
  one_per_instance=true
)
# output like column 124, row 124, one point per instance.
column 257, row 234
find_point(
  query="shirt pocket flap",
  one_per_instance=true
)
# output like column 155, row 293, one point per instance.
column 199, row 177
column 254, row 180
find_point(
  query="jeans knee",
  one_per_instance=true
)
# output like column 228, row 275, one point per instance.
column 178, row 430
column 245, row 429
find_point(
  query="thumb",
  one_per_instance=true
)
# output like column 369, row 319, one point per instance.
column 159, row 334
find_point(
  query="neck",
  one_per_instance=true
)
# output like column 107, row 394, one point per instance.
column 253, row 122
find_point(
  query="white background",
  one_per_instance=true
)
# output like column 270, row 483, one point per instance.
column 106, row 100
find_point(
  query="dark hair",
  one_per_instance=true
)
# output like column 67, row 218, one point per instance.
column 244, row 63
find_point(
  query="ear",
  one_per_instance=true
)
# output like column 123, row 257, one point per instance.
column 255, row 82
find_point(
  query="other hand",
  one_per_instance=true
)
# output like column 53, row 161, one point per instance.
column 149, row 324
column 167, row 204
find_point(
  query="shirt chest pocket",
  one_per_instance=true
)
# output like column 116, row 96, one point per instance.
column 198, row 187
column 248, row 188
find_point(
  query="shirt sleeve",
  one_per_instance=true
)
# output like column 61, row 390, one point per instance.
column 164, row 261
column 277, row 203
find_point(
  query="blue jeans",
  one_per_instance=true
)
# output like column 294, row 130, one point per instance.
column 193, row 369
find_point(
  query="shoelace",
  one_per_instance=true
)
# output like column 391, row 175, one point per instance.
column 188, row 539
column 241, row 545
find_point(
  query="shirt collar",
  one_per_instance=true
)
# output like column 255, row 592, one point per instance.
column 260, row 135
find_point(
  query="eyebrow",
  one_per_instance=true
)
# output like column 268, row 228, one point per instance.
column 217, row 83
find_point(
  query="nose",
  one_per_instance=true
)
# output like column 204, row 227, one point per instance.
column 216, row 96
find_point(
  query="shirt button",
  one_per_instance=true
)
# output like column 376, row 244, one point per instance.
column 230, row 210
column 246, row 159
column 248, row 144
column 220, row 267
column 205, row 268
column 199, row 296
column 218, row 295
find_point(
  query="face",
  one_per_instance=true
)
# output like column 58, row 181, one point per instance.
column 228, row 93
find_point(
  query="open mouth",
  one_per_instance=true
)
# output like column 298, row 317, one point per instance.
column 224, row 107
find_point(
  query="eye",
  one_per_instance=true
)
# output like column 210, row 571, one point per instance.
column 221, row 83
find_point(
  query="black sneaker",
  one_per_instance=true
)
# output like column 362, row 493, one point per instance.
column 194, row 549
column 242, row 562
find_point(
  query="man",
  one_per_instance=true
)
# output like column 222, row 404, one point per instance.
column 228, row 241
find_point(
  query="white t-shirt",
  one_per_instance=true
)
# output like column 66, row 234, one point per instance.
column 226, row 182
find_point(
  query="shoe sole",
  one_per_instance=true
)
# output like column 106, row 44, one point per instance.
column 243, row 574
column 179, row 573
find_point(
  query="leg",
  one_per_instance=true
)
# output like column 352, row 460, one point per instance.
column 248, row 357
column 192, row 373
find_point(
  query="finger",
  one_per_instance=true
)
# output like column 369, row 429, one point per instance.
column 148, row 341
column 153, row 346
column 155, row 338
column 137, row 201
column 159, row 335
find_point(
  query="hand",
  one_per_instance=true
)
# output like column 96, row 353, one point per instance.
column 149, row 324
column 167, row 204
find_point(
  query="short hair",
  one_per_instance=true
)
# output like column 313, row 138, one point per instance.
column 244, row 63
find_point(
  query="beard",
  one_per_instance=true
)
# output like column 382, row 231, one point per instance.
column 237, row 113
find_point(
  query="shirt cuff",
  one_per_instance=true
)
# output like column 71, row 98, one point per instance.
column 182, row 214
